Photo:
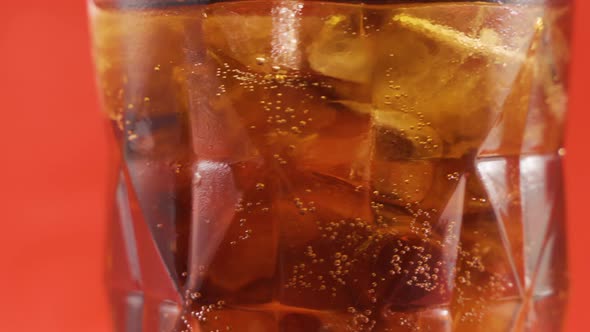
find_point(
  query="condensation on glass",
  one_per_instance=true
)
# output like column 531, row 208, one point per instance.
column 307, row 166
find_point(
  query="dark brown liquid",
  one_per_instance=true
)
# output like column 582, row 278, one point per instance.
column 312, row 166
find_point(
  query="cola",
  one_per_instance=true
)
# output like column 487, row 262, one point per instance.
column 335, row 166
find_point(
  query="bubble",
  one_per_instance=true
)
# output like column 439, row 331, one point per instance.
column 260, row 61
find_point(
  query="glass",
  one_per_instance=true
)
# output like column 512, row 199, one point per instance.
column 336, row 166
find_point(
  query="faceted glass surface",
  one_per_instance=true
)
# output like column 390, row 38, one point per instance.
column 318, row 166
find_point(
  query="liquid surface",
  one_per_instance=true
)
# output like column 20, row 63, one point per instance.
column 312, row 166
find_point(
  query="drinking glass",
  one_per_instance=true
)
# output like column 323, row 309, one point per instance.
column 335, row 166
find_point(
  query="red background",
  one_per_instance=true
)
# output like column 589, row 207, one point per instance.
column 53, row 168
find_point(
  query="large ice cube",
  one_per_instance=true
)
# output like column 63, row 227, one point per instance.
column 323, row 227
column 218, row 132
column 259, row 36
column 457, row 80
column 417, row 249
column 233, row 249
column 485, row 268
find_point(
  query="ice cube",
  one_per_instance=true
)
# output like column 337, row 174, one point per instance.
column 140, row 60
column 411, row 273
column 544, row 123
column 323, row 227
column 140, row 67
column 259, row 36
column 299, row 225
column 374, row 151
column 129, row 78
column 290, row 107
column 146, row 97
column 416, row 184
column 341, row 49
column 254, row 115
column 243, row 38
column 217, row 129
column 485, row 268
column 531, row 118
column 417, row 249
column 321, row 152
column 456, row 81
column 233, row 238
column 336, row 199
